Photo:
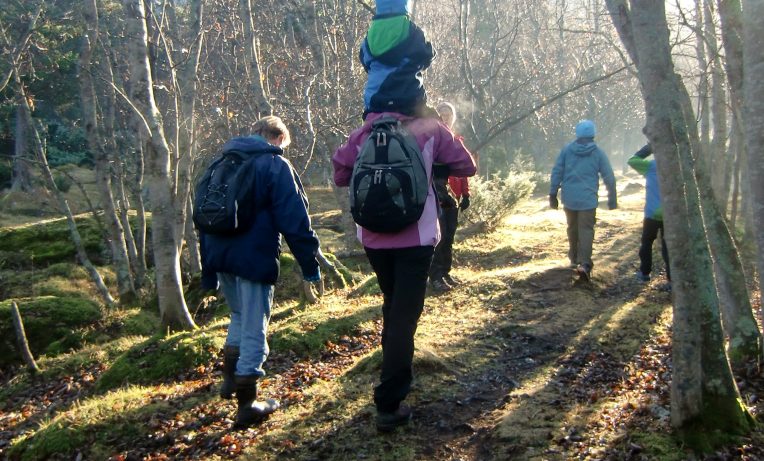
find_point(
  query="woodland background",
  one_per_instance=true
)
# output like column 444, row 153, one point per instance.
column 110, row 110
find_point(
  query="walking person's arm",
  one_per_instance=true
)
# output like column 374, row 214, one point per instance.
column 556, row 180
column 290, row 212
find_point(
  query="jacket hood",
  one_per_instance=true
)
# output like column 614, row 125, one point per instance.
column 251, row 145
column 583, row 149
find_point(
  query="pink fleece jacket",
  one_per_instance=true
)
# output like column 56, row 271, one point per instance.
column 439, row 145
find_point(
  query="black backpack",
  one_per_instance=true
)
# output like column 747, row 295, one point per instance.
column 224, row 200
column 389, row 185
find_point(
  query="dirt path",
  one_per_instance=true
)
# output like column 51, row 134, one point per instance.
column 519, row 362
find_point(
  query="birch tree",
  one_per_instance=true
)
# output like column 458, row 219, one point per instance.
column 173, row 310
column 88, row 98
column 704, row 396
column 753, row 117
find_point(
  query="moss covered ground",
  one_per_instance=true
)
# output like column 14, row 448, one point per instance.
column 520, row 361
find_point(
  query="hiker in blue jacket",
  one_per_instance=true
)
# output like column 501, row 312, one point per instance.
column 394, row 54
column 653, row 222
column 577, row 171
column 247, row 265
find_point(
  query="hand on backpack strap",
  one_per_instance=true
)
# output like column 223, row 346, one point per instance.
column 465, row 203
column 553, row 203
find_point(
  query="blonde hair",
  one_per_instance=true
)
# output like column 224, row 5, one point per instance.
column 447, row 105
column 271, row 127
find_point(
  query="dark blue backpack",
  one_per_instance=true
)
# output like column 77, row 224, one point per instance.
column 224, row 200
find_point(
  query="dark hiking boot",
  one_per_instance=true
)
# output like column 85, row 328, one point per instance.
column 387, row 422
column 642, row 277
column 451, row 280
column 230, row 358
column 584, row 272
column 665, row 287
column 439, row 286
column 251, row 411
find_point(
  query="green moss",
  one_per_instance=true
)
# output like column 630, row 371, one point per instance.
column 67, row 270
column 308, row 333
column 718, row 425
column 140, row 323
column 53, row 438
column 47, row 319
column 369, row 365
column 658, row 445
column 160, row 358
column 90, row 428
column 50, row 242
column 368, row 287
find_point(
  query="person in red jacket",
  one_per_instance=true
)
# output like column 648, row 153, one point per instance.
column 453, row 195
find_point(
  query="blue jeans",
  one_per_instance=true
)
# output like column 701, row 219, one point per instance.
column 250, row 304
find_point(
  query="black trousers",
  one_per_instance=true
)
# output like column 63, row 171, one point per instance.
column 650, row 228
column 402, row 277
column 443, row 257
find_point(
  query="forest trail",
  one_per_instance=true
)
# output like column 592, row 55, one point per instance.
column 520, row 361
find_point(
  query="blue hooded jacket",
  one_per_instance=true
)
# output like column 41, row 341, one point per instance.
column 577, row 171
column 282, row 209
column 395, row 76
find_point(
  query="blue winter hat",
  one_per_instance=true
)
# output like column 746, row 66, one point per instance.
column 585, row 129
column 392, row 7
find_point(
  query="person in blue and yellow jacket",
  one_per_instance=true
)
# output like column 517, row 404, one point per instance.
column 394, row 54
column 653, row 221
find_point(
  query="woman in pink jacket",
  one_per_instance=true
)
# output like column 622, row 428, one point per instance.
column 402, row 260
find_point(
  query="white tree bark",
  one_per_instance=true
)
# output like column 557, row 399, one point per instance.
column 703, row 391
column 116, row 233
column 173, row 310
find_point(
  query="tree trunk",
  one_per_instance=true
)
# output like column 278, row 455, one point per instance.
column 349, row 238
column 729, row 277
column 21, row 340
column 262, row 105
column 173, row 310
column 96, row 144
column 21, row 179
column 192, row 242
column 704, row 394
column 753, row 119
column 719, row 164
column 186, row 132
column 704, row 113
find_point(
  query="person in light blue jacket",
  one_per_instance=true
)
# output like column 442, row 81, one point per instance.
column 577, row 171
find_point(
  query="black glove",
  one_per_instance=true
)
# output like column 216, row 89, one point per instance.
column 645, row 151
column 440, row 170
column 553, row 203
column 612, row 203
column 465, row 203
